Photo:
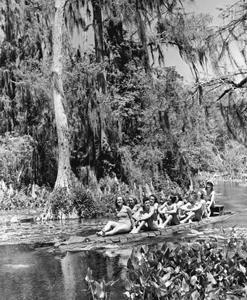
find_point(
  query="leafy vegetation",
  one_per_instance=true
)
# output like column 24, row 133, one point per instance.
column 189, row 270
column 79, row 202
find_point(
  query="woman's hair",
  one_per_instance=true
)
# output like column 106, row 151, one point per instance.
column 124, row 202
column 173, row 199
column 134, row 198
column 155, row 198
column 210, row 183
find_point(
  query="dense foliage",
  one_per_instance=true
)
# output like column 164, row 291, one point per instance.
column 129, row 117
column 78, row 203
column 188, row 270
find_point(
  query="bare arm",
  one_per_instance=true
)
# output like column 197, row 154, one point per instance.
column 195, row 207
column 212, row 199
column 135, row 209
column 160, row 208
column 130, row 216
column 173, row 210
column 147, row 216
column 185, row 207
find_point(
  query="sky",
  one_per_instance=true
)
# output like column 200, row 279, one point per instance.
column 172, row 57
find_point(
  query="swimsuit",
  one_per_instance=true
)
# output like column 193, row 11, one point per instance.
column 123, row 217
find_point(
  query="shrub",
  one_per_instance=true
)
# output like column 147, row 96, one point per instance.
column 31, row 196
column 84, row 202
column 16, row 159
column 78, row 198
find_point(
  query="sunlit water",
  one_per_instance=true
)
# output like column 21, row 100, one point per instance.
column 234, row 197
column 29, row 273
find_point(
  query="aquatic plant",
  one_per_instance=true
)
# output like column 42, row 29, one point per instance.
column 207, row 270
column 97, row 290
column 195, row 270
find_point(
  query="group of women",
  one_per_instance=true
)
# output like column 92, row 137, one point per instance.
column 154, row 215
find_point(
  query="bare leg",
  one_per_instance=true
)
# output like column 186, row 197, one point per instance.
column 168, row 219
column 209, row 211
column 160, row 221
column 152, row 224
column 138, row 228
column 205, row 211
column 189, row 217
column 121, row 228
column 108, row 226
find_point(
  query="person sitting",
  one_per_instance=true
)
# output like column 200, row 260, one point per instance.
column 205, row 211
column 209, row 196
column 182, row 214
column 124, row 223
column 193, row 208
column 154, row 203
column 133, row 204
column 163, row 199
column 170, row 211
column 146, row 219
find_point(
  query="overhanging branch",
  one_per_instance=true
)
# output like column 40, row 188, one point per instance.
column 234, row 86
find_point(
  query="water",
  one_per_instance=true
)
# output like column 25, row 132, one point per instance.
column 234, row 196
column 30, row 273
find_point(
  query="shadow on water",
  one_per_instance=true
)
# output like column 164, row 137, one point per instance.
column 27, row 273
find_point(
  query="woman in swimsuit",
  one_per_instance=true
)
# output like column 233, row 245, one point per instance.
column 123, row 224
column 209, row 197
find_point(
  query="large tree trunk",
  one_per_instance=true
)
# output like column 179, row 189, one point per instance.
column 98, row 30
column 64, row 174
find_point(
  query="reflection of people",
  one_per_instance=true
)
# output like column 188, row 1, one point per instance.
column 123, row 224
column 146, row 217
column 209, row 196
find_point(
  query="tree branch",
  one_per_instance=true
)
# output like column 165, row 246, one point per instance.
column 234, row 86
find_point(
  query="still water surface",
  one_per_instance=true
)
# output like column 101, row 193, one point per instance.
column 27, row 273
